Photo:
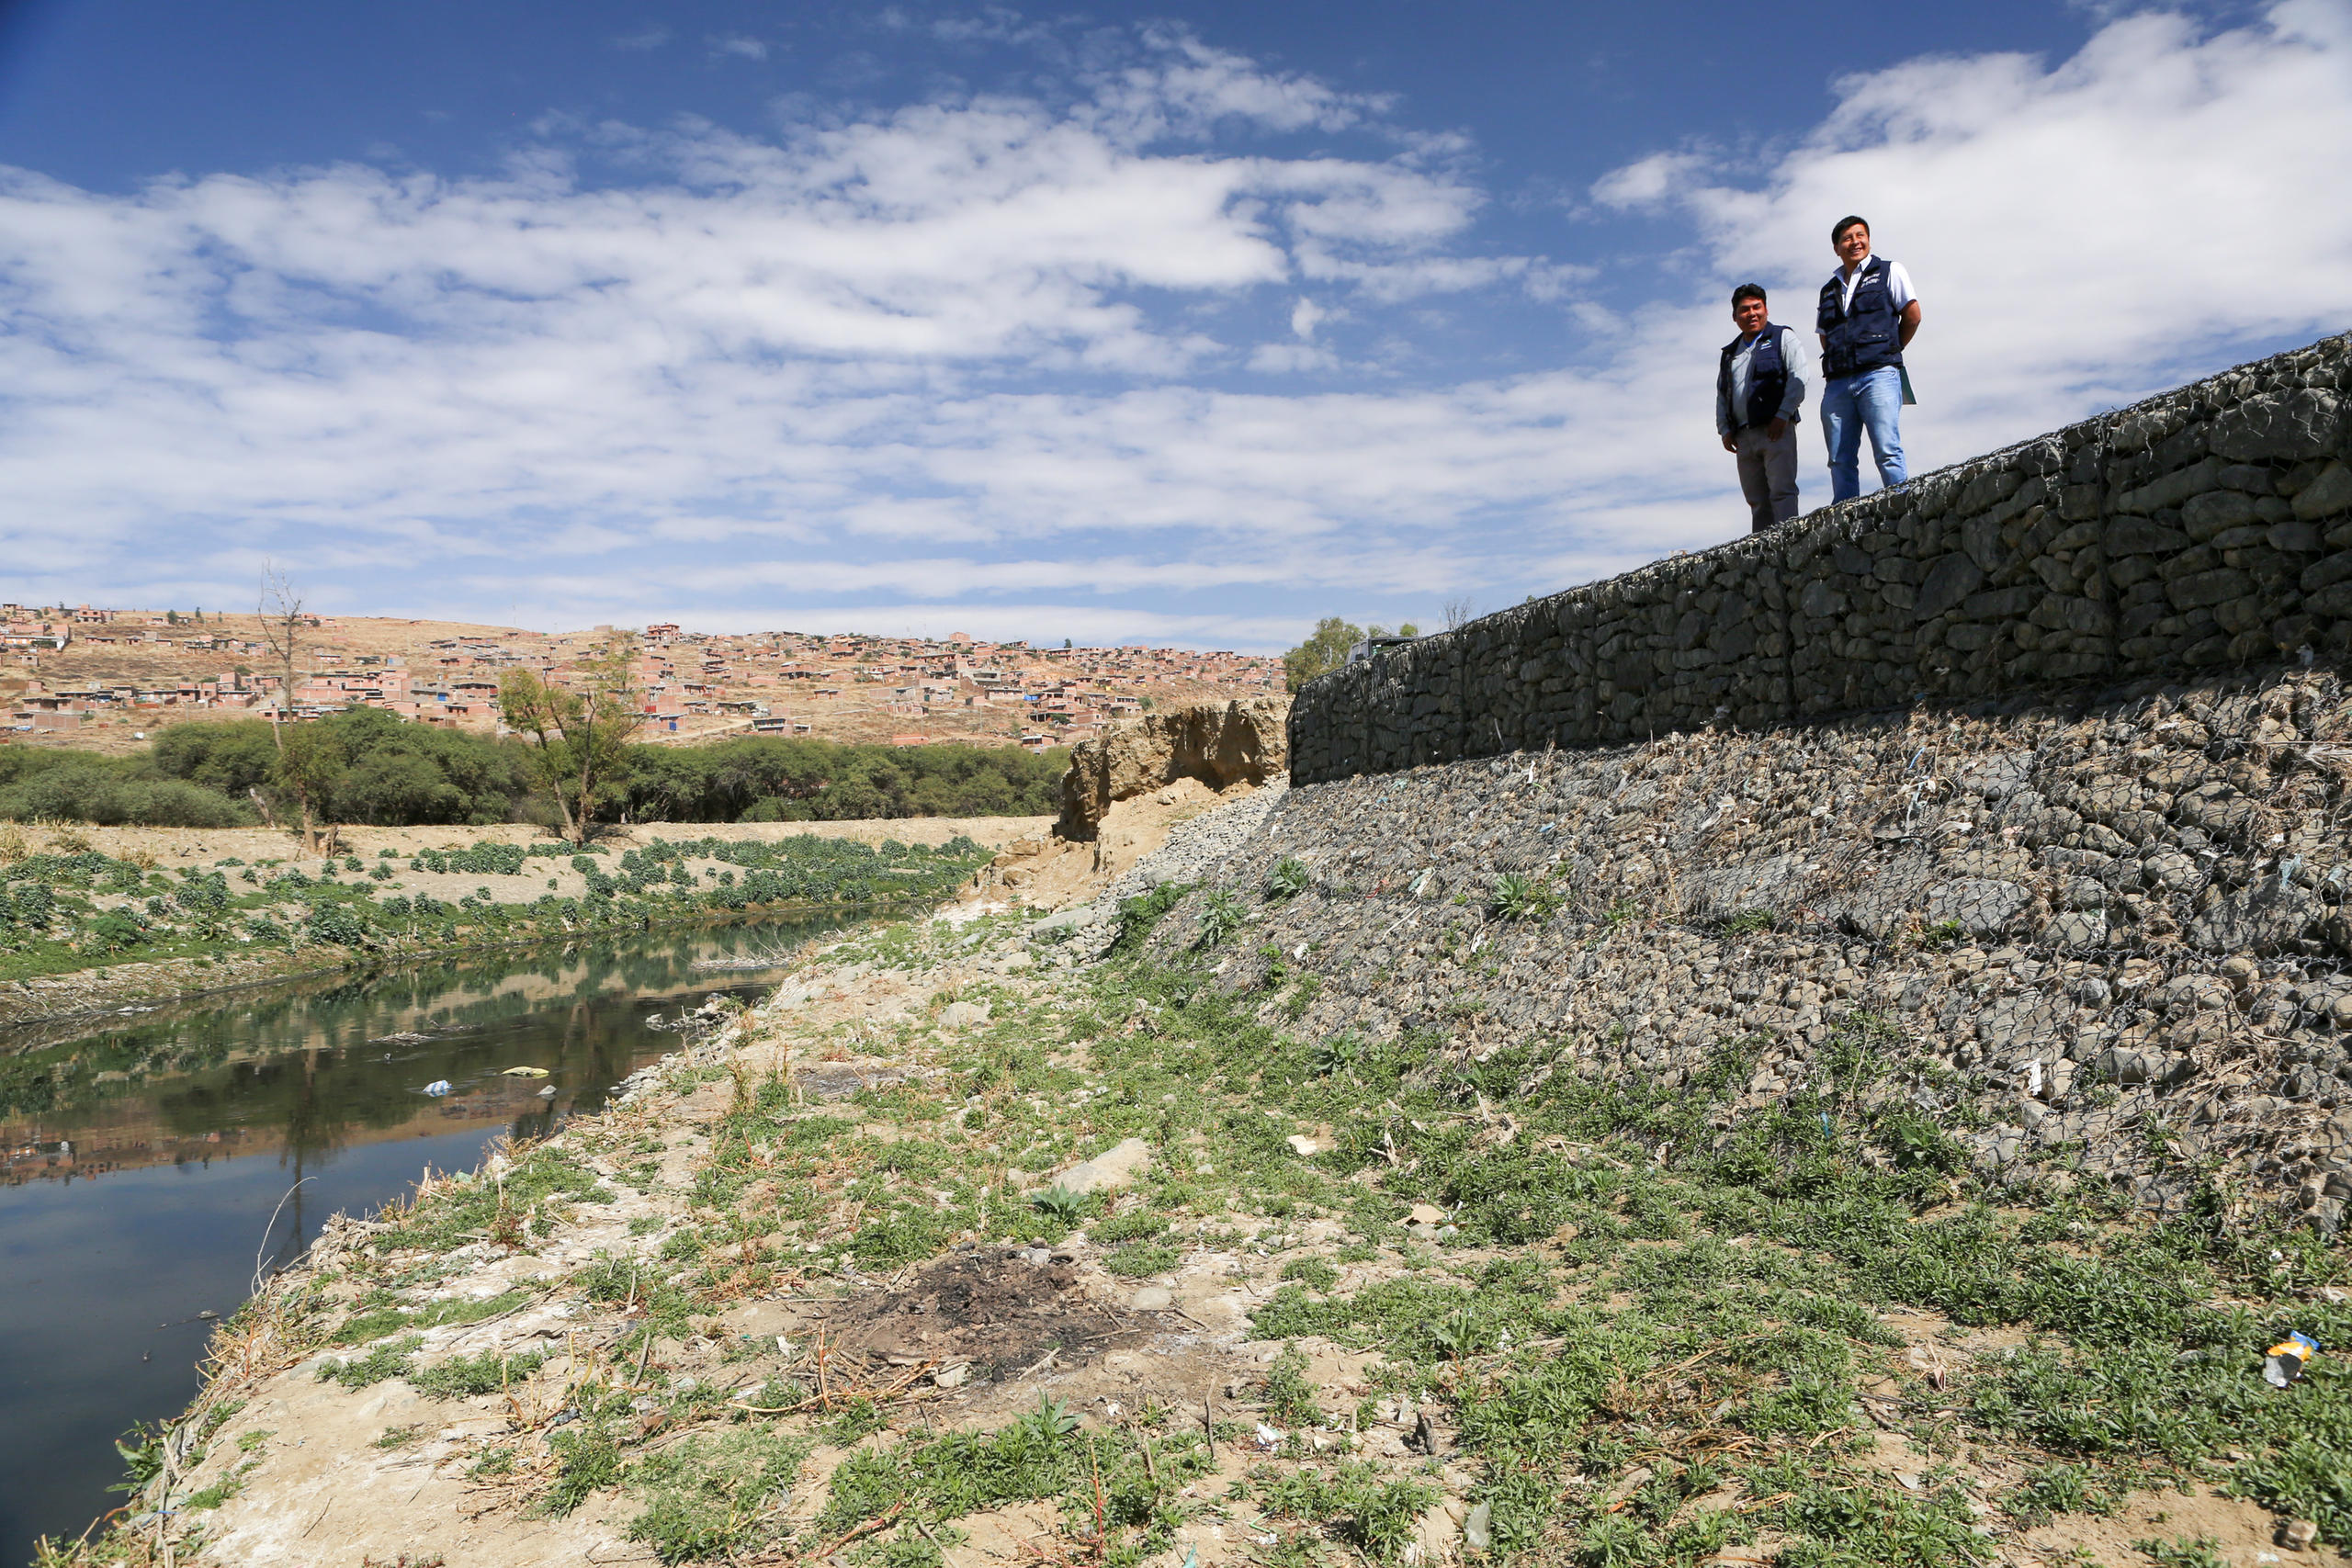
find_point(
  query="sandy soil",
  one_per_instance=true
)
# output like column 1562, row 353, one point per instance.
column 170, row 845
column 1048, row 873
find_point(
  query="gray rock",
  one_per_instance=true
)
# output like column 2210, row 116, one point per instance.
column 2204, row 589
column 1114, row 1167
column 2171, row 489
column 2140, row 536
column 2261, row 918
column 1982, row 906
column 2326, row 495
column 2301, row 422
column 827, row 1082
column 1949, row 581
column 1076, row 917
column 2075, row 927
column 2326, row 571
column 2216, row 510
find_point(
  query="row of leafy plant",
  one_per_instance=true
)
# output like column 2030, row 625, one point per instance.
column 365, row 766
column 66, row 911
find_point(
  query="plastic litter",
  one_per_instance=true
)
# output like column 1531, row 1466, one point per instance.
column 525, row 1073
column 437, row 1086
column 2283, row 1363
column 1478, row 1530
column 548, row 1093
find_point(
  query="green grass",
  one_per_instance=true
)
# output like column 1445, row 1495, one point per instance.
column 52, row 924
column 497, row 1210
column 1768, row 1245
column 387, row 1360
column 941, row 1477
column 716, row 1497
column 1137, row 1259
column 465, row 1377
column 382, row 1320
column 1365, row 1505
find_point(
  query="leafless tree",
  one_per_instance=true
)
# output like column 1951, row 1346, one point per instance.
column 279, row 611
column 1458, row 612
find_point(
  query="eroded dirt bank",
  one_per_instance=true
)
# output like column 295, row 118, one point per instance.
column 1630, row 1158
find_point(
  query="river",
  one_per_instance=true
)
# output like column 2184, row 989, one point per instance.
column 148, row 1154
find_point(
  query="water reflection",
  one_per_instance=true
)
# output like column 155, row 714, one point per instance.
column 140, row 1172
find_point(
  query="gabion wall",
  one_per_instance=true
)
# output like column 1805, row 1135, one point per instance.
column 2205, row 528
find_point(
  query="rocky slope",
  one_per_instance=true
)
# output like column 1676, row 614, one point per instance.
column 2103, row 935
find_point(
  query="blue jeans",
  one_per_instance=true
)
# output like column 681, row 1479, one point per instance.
column 1874, row 399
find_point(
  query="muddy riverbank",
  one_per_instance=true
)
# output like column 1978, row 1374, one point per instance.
column 146, row 1158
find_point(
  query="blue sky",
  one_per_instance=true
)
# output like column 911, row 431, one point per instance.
column 1183, row 323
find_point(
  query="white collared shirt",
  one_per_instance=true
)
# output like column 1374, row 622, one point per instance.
column 1899, row 292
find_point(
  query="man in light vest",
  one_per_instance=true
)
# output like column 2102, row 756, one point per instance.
column 1760, row 390
column 1867, row 317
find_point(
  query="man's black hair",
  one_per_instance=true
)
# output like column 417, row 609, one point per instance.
column 1747, row 291
column 1845, row 223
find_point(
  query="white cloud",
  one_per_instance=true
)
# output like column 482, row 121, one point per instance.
column 653, row 35
column 1291, row 358
column 1648, row 181
column 987, row 360
column 2079, row 234
column 739, row 45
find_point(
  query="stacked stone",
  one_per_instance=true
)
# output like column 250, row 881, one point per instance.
column 2060, row 925
column 2208, row 527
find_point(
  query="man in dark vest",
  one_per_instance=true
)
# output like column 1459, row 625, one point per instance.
column 1759, row 389
column 1869, row 314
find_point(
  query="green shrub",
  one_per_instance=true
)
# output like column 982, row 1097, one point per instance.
column 1520, row 897
column 1221, row 916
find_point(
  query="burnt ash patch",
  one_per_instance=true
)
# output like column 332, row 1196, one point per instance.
column 993, row 1308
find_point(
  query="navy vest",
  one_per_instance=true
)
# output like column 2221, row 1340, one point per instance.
column 1767, row 377
column 1867, row 334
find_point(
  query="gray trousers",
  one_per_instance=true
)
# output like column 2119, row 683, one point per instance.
column 1768, row 476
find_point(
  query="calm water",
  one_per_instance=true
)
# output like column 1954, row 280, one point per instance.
column 144, row 1158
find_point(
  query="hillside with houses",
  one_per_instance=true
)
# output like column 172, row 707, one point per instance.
column 108, row 679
